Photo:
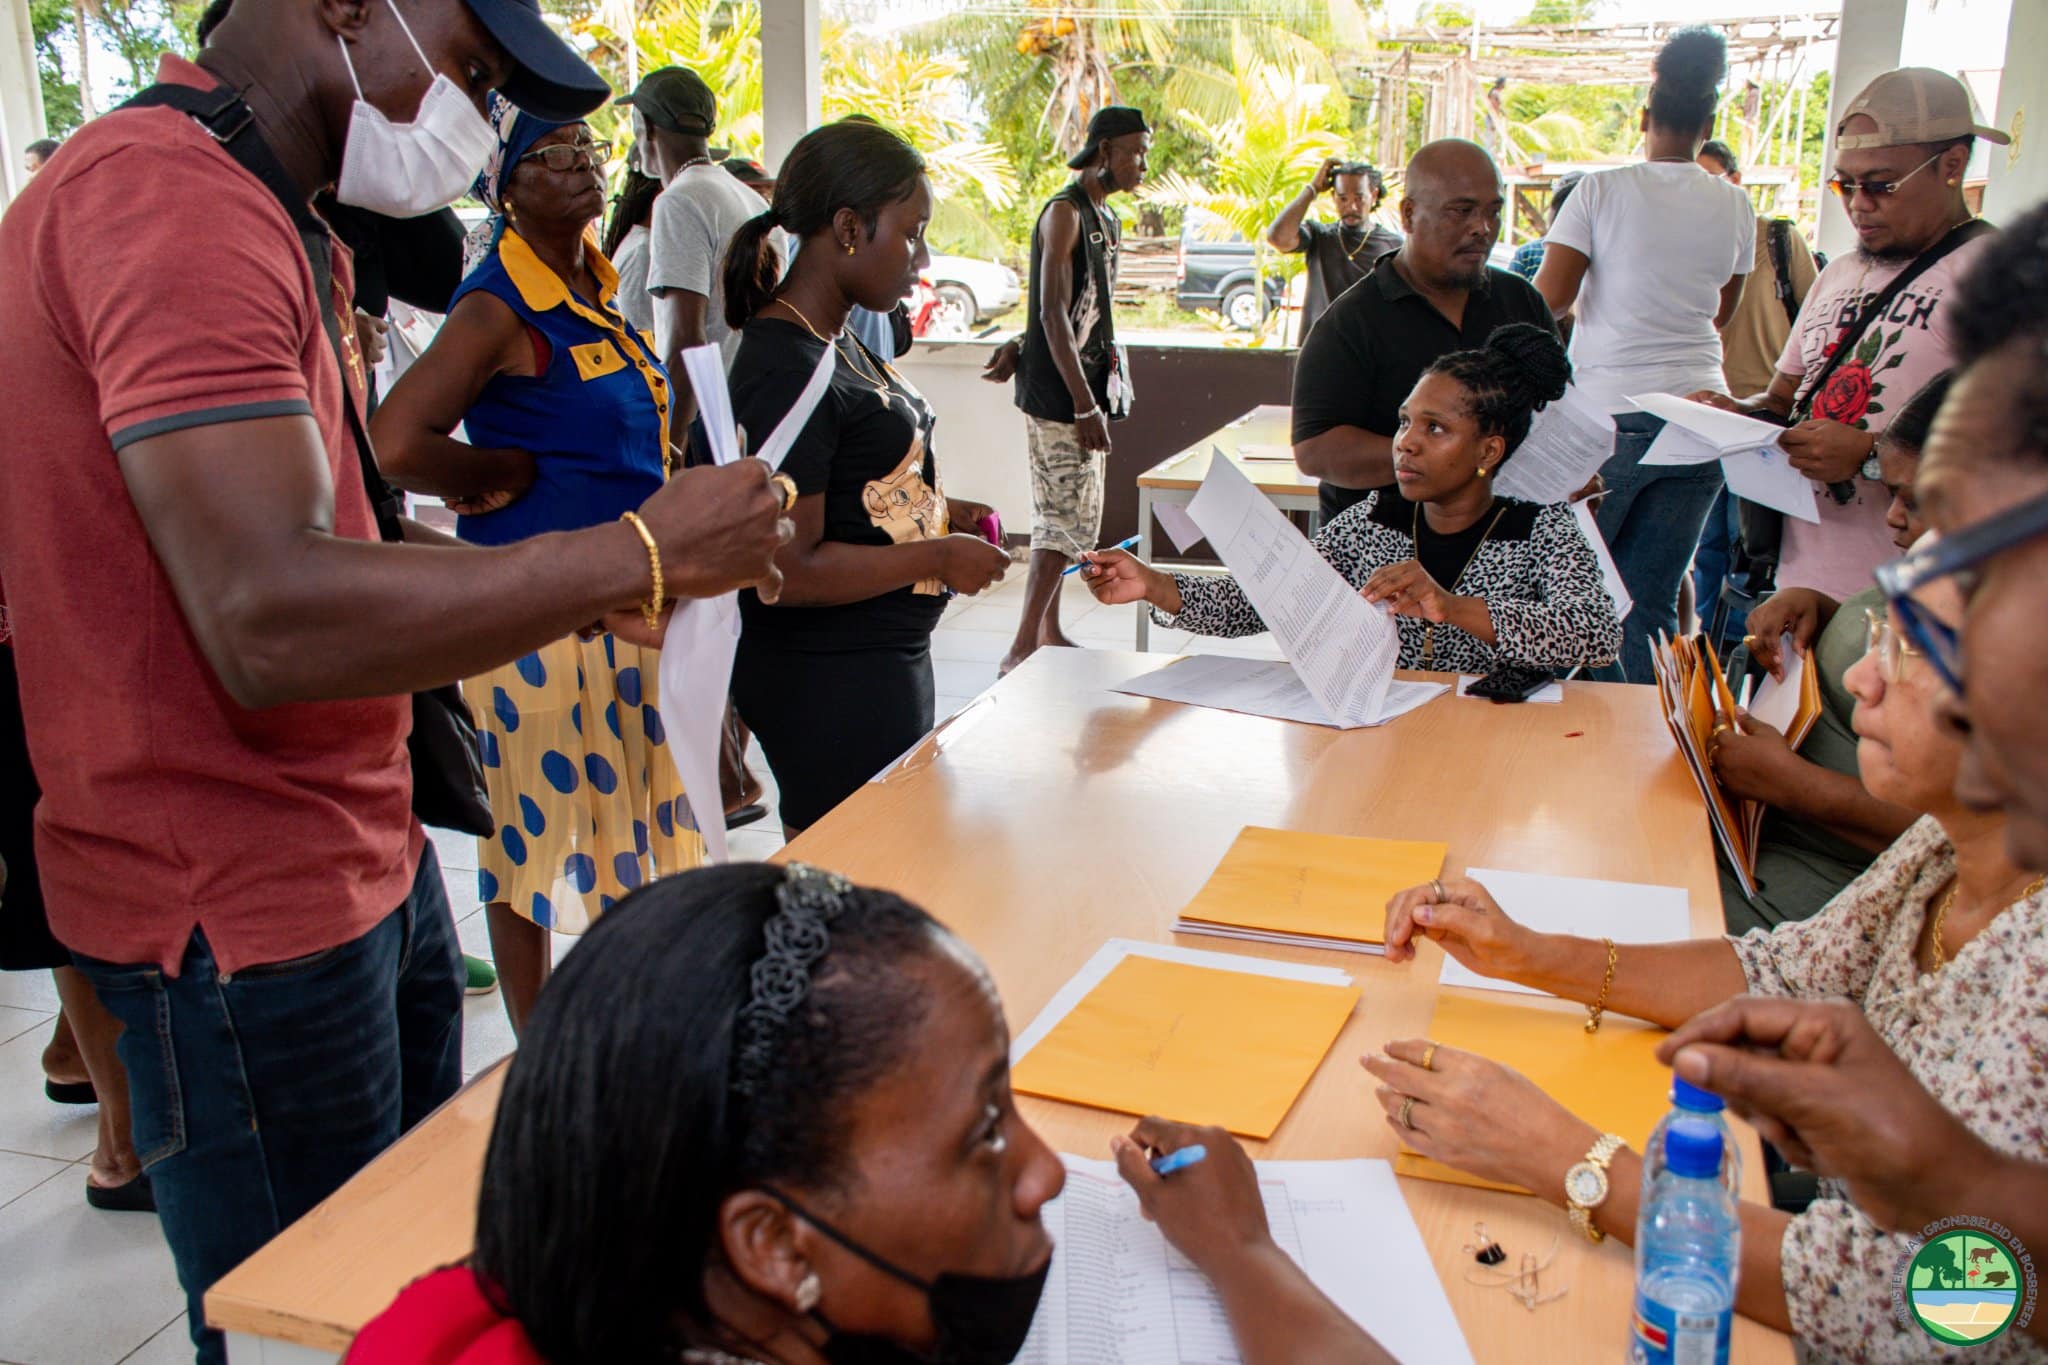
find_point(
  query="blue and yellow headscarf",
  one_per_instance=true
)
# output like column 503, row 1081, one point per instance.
column 517, row 132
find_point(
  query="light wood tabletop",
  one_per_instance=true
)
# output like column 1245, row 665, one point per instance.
column 1052, row 814
column 1260, row 443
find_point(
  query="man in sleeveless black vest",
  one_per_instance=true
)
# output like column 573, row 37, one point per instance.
column 1070, row 373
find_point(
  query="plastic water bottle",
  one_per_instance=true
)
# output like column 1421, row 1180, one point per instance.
column 1688, row 1245
column 1688, row 1100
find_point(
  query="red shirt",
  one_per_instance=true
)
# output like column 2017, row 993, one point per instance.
column 442, row 1319
column 152, row 284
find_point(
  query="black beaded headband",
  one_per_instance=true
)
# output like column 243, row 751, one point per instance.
column 807, row 900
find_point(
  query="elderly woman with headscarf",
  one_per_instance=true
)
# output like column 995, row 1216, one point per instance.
column 566, row 411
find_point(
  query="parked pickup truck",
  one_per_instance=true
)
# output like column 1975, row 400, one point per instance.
column 1218, row 269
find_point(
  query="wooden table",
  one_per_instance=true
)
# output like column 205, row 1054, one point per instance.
column 1266, row 431
column 1053, row 814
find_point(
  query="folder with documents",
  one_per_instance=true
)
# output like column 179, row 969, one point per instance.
column 1308, row 890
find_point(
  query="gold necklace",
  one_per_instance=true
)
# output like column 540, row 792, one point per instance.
column 1415, row 534
column 880, row 384
column 1941, row 915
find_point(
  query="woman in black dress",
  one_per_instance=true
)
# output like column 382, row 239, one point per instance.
column 836, row 677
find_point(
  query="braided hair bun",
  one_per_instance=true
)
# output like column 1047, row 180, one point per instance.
column 1508, row 381
column 1690, row 68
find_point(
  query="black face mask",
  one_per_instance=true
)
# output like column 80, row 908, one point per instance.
column 981, row 1320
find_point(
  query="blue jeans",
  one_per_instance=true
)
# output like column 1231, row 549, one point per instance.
column 1713, row 568
column 1651, row 517
column 257, row 1094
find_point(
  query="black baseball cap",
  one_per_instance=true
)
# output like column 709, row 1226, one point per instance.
column 548, row 79
column 675, row 98
column 1112, row 120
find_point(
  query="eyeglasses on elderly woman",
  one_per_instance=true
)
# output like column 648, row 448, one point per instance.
column 1955, row 555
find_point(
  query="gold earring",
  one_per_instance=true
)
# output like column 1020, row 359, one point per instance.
column 849, row 248
column 808, row 1292
column 1482, row 471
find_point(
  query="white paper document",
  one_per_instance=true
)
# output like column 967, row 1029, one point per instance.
column 1549, row 692
column 1566, row 445
column 1627, row 912
column 697, row 652
column 1113, row 951
column 1776, row 703
column 1343, row 648
column 1675, row 445
column 1180, row 528
column 1765, row 475
column 1725, row 431
column 1262, row 687
column 1117, row 1293
column 1610, row 576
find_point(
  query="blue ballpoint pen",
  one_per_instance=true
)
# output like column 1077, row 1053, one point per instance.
column 1128, row 542
column 1178, row 1160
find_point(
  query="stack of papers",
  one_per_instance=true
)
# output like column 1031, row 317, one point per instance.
column 1696, row 698
column 1567, row 443
column 1626, row 912
column 1118, row 1292
column 1755, row 464
column 1611, row 1079
column 1308, row 890
column 1196, row 1037
column 1264, row 687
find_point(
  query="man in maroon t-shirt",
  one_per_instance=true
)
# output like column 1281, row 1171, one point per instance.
column 215, row 651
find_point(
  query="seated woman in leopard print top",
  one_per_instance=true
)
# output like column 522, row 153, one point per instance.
column 1475, row 580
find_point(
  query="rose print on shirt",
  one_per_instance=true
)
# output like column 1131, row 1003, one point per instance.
column 1851, row 392
column 907, row 507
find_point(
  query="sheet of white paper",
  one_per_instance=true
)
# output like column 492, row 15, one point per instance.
column 695, row 675
column 1117, row 949
column 1566, row 445
column 1118, row 1292
column 1267, row 454
column 1676, row 445
column 1776, row 703
column 1765, row 475
column 1261, row 687
column 1553, row 692
column 1611, row 576
column 1627, row 912
column 1343, row 648
column 1723, row 430
column 1180, row 528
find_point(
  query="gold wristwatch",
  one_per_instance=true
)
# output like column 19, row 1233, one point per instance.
column 1585, row 1186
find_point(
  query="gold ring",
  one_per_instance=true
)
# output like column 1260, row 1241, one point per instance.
column 1402, row 1117
column 787, row 485
column 1429, row 1057
column 1719, row 730
column 1749, row 639
column 1436, row 888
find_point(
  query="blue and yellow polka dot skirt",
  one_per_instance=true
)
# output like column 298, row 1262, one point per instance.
column 588, row 801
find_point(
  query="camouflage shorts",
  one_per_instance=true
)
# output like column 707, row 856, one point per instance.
column 1066, row 487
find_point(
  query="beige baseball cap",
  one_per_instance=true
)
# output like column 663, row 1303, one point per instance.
column 1914, row 104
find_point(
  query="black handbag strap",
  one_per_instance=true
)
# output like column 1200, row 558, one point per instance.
column 1958, row 236
column 226, row 117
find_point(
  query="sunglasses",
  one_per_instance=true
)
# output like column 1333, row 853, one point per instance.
column 1958, row 553
column 1877, row 189
column 571, row 156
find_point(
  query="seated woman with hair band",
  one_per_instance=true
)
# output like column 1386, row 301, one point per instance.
column 835, row 679
column 763, row 1117
column 566, row 410
column 1476, row 581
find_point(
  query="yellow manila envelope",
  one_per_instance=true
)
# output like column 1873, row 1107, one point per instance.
column 1611, row 1079
column 1328, row 885
column 1193, row 1044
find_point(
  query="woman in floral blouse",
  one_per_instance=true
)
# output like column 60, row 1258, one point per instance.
column 1476, row 581
column 1943, row 943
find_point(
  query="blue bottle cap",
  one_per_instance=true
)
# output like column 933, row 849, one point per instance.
column 1692, row 1149
column 1686, row 1095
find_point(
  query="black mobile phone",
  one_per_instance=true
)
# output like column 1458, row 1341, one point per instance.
column 1510, row 682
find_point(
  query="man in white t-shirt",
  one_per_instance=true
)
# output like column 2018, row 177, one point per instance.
column 1900, row 154
column 699, row 210
column 1651, row 259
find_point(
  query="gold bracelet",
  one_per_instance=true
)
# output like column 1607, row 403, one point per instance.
column 1599, row 1007
column 650, row 610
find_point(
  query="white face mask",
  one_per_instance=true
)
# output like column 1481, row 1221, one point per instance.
column 403, row 170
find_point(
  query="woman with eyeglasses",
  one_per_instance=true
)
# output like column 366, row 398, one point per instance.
column 1857, row 351
column 566, row 412
column 1943, row 943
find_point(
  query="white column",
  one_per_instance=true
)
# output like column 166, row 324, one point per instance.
column 791, row 87
column 1871, row 34
column 2019, row 173
column 21, row 95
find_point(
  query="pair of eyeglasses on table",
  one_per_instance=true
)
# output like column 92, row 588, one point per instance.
column 1956, row 554
column 571, row 156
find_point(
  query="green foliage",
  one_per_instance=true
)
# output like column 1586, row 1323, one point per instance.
column 136, row 31
column 50, row 23
column 1561, row 12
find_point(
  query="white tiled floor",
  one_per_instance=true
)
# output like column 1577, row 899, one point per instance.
column 81, row 1287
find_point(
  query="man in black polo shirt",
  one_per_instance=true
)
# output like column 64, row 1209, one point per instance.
column 1435, row 295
